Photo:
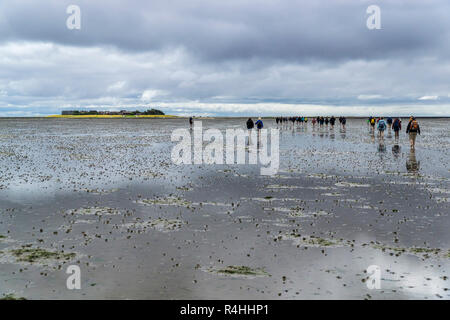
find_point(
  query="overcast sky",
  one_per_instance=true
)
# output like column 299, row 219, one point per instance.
column 233, row 57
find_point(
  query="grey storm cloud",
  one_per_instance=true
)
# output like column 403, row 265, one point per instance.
column 237, row 29
column 238, row 52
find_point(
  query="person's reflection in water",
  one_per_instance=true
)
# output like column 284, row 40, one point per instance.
column 258, row 142
column 343, row 133
column 396, row 151
column 389, row 135
column 412, row 165
column 381, row 147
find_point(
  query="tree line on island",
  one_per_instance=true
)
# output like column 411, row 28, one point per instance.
column 149, row 112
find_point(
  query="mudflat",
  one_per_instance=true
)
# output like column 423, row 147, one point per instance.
column 105, row 195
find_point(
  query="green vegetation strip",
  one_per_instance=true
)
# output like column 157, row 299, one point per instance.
column 11, row 297
column 243, row 271
column 33, row 255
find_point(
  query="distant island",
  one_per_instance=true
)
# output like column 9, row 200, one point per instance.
column 150, row 113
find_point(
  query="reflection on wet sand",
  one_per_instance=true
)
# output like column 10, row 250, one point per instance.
column 396, row 149
column 412, row 165
column 142, row 227
column 381, row 147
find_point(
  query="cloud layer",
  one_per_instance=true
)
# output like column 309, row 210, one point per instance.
column 225, row 58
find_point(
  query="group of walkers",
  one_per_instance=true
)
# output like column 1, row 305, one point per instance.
column 250, row 125
column 321, row 121
column 395, row 124
column 379, row 123
column 259, row 124
column 286, row 120
column 329, row 120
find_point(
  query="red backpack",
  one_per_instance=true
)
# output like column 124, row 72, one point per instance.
column 414, row 126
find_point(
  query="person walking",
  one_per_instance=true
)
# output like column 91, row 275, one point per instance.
column 381, row 127
column 389, row 123
column 250, row 126
column 332, row 121
column 413, row 129
column 259, row 125
column 397, row 127
column 293, row 121
column 372, row 125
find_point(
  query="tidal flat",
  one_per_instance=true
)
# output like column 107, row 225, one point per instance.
column 105, row 195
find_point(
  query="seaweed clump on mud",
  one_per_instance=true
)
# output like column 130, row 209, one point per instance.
column 159, row 224
column 96, row 211
column 169, row 201
column 425, row 252
column 310, row 241
column 31, row 255
column 321, row 242
column 242, row 271
column 167, row 224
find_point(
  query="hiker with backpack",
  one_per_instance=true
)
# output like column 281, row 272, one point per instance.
column 250, row 124
column 259, row 124
column 381, row 127
column 397, row 127
column 389, row 123
column 413, row 129
column 372, row 124
column 332, row 121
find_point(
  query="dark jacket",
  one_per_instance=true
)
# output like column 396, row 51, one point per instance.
column 397, row 125
column 250, row 124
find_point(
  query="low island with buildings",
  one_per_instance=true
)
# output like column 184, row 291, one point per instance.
column 150, row 113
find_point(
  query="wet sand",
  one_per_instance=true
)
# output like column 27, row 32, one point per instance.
column 105, row 195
